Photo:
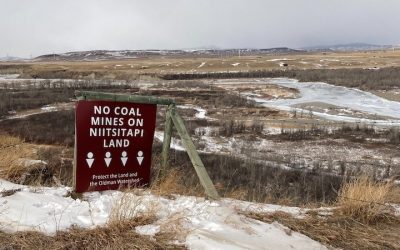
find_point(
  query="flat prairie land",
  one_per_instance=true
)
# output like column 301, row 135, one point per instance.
column 133, row 68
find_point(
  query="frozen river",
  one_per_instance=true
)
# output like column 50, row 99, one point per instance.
column 345, row 99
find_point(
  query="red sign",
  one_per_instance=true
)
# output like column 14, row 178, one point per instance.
column 113, row 144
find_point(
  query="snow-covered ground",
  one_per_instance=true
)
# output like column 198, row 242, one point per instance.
column 44, row 109
column 202, row 64
column 291, row 154
column 9, row 79
column 206, row 224
column 200, row 112
column 175, row 143
column 279, row 59
column 12, row 81
column 8, row 76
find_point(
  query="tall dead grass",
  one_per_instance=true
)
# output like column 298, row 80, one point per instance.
column 172, row 182
column 130, row 206
column 244, row 179
column 12, row 152
column 340, row 231
column 112, row 236
column 9, row 141
column 31, row 164
column 362, row 218
column 365, row 199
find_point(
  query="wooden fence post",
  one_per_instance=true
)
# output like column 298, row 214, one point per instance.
column 167, row 138
column 198, row 165
column 79, row 98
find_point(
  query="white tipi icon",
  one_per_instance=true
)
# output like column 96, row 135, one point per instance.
column 108, row 159
column 140, row 157
column 124, row 157
column 90, row 159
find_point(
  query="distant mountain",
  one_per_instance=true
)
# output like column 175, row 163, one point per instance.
column 94, row 55
column 210, row 47
column 348, row 47
column 11, row 58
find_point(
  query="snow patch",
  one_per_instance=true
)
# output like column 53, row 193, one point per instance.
column 30, row 162
column 49, row 108
column 279, row 59
column 175, row 143
column 209, row 224
column 201, row 113
column 8, row 76
column 201, row 65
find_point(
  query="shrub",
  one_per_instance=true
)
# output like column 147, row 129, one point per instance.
column 231, row 100
column 364, row 199
column 49, row 128
column 394, row 135
column 248, row 180
column 384, row 78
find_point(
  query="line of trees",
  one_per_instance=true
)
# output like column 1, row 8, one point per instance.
column 367, row 79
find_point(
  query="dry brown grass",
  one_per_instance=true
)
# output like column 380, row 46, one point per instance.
column 340, row 231
column 394, row 196
column 365, row 199
column 112, row 236
column 171, row 64
column 236, row 193
column 12, row 153
column 173, row 183
column 17, row 165
column 131, row 206
column 363, row 219
column 173, row 229
column 8, row 141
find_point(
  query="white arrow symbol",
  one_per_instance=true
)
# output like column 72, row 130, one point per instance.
column 124, row 158
column 108, row 159
column 90, row 159
column 140, row 157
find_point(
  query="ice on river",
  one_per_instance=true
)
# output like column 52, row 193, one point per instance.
column 351, row 98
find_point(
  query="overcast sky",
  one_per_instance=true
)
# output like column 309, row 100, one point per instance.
column 35, row 27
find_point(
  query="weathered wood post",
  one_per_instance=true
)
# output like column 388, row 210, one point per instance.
column 167, row 137
column 198, row 165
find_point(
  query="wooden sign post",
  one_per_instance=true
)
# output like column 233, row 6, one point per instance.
column 83, row 158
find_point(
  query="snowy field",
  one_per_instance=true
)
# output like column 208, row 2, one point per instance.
column 8, row 76
column 11, row 81
column 206, row 224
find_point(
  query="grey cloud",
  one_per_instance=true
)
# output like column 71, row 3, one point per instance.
column 46, row 26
